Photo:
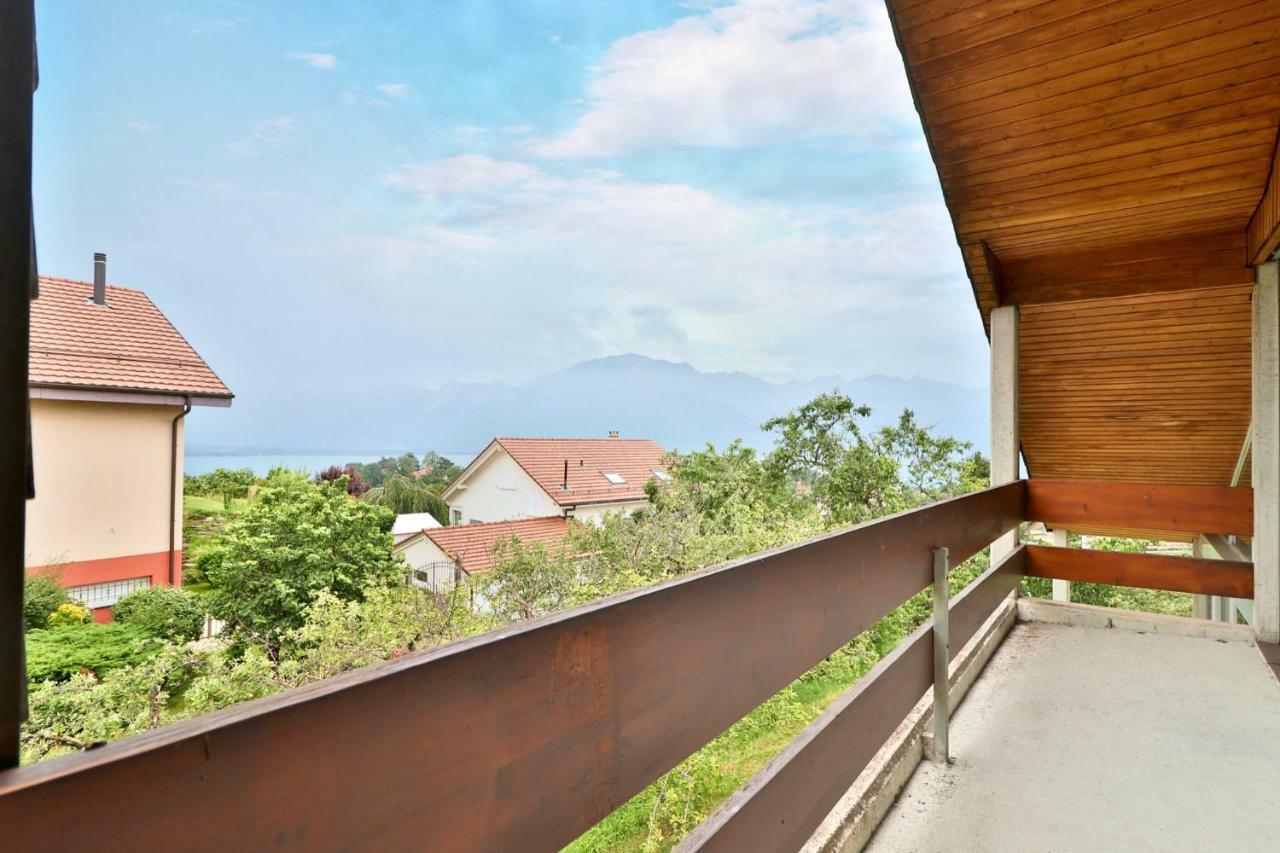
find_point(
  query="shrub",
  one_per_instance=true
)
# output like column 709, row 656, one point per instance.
column 168, row 612
column 42, row 595
column 59, row 653
column 69, row 613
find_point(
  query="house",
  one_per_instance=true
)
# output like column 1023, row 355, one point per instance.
column 438, row 555
column 409, row 523
column 583, row 478
column 110, row 382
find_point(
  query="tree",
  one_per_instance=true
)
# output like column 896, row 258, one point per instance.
column 290, row 546
column 230, row 483
column 931, row 466
column 42, row 594
column 355, row 483
column 527, row 580
column 403, row 494
column 436, row 470
column 170, row 613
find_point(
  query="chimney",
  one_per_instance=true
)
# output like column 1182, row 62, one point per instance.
column 613, row 433
column 99, row 279
column 565, row 484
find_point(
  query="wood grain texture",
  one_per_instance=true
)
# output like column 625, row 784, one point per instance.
column 1150, row 388
column 1140, row 506
column 1146, row 571
column 781, row 806
column 1264, row 225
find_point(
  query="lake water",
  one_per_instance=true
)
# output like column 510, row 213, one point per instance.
column 260, row 464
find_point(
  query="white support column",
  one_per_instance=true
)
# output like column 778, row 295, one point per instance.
column 1201, row 605
column 1266, row 453
column 1004, row 411
column 1061, row 588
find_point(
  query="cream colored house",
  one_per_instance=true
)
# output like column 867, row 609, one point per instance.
column 582, row 478
column 111, row 381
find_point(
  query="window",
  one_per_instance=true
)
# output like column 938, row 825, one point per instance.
column 456, row 515
column 107, row 593
column 614, row 477
column 660, row 474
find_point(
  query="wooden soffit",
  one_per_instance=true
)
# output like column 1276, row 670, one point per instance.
column 1089, row 149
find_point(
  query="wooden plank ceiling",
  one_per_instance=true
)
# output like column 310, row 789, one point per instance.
column 1111, row 169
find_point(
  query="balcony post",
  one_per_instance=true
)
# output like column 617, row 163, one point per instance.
column 1202, row 606
column 1266, row 454
column 1061, row 588
column 941, row 658
column 1004, row 411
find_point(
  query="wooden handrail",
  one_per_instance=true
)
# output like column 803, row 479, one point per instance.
column 1147, row 571
column 518, row 739
column 1096, row 504
column 806, row 780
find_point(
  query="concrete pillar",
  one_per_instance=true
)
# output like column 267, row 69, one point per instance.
column 1201, row 605
column 1266, row 453
column 1061, row 588
column 1004, row 411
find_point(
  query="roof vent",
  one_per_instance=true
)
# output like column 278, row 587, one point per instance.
column 613, row 433
column 99, row 279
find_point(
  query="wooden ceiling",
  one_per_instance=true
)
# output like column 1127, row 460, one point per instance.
column 1110, row 168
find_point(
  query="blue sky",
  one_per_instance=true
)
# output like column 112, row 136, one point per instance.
column 334, row 195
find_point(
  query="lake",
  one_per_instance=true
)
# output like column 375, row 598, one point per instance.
column 260, row 464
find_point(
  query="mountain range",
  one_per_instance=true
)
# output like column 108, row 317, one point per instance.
column 671, row 402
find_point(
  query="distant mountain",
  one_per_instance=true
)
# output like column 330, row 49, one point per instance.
column 671, row 402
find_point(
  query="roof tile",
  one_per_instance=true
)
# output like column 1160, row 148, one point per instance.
column 129, row 345
column 472, row 545
column 635, row 459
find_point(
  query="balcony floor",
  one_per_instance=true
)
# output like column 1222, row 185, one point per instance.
column 1098, row 739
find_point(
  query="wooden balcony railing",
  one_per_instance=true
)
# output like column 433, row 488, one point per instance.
column 525, row 737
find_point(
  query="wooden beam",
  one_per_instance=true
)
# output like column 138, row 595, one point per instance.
column 519, row 739
column 1263, row 231
column 1161, row 266
column 1147, row 571
column 1102, row 505
column 780, row 807
column 994, row 272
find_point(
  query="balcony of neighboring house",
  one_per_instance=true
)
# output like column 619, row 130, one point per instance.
column 1111, row 173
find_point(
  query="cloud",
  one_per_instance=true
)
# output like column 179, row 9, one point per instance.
column 394, row 90
column 598, row 263
column 272, row 133
column 315, row 60
column 756, row 72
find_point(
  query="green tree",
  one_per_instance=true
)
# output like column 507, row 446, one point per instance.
column 527, row 580
column 167, row 612
column 59, row 653
column 41, row 596
column 930, row 466
column 229, row 483
column 403, row 494
column 290, row 546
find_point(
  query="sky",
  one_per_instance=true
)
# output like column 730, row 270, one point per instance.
column 332, row 195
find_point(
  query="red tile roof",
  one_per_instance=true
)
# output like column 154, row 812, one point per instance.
column 543, row 459
column 128, row 345
column 472, row 545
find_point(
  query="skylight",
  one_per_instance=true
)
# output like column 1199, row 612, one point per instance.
column 660, row 474
column 614, row 477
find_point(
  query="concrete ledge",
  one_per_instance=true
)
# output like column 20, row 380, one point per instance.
column 853, row 821
column 1091, row 616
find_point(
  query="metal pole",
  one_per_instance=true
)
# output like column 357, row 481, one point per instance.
column 941, row 658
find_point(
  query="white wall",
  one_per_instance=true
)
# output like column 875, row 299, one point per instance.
column 595, row 514
column 421, row 553
column 500, row 490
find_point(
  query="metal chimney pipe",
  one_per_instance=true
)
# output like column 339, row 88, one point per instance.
column 99, row 278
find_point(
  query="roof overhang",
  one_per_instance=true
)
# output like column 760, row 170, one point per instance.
column 91, row 394
column 459, row 482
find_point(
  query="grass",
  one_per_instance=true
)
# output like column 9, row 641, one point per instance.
column 204, row 518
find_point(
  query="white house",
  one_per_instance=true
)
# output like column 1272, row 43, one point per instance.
column 438, row 556
column 408, row 523
column 583, row 478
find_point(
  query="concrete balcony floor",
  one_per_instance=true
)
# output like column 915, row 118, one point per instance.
column 1102, row 739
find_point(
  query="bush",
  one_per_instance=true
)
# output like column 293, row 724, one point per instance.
column 69, row 614
column 41, row 596
column 167, row 612
column 59, row 653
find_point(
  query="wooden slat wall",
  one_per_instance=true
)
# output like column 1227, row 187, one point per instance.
column 1108, row 150
column 1142, row 506
column 1153, row 388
